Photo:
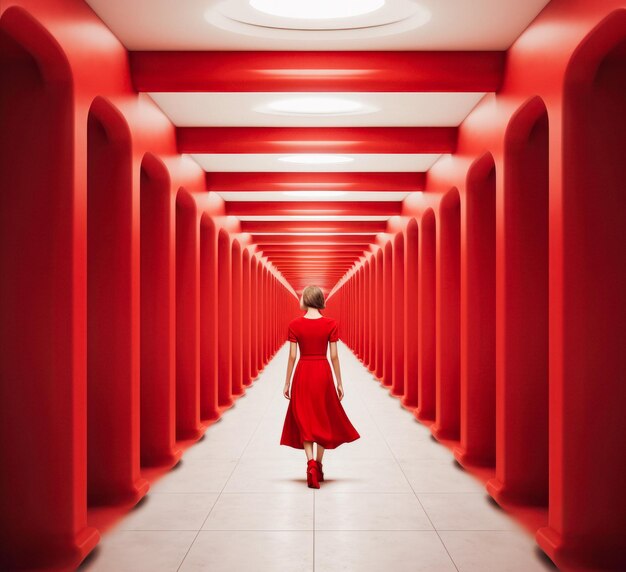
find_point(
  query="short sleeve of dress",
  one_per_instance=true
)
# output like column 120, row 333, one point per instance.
column 291, row 336
column 334, row 332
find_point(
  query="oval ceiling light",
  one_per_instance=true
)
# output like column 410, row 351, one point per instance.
column 314, row 193
column 315, row 105
column 315, row 159
column 316, row 9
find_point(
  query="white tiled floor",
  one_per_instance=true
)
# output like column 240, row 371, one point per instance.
column 392, row 499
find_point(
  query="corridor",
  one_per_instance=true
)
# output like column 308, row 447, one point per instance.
column 448, row 174
column 239, row 501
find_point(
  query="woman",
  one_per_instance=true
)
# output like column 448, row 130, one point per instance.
column 315, row 414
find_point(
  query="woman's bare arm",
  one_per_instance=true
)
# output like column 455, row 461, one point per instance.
column 293, row 351
column 334, row 358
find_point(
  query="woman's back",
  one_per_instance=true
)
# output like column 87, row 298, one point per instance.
column 313, row 334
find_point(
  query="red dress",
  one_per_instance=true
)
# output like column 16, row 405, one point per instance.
column 315, row 412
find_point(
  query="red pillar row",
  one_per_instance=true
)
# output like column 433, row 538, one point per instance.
column 501, row 302
column 129, row 316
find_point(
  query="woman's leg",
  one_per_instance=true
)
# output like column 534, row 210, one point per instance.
column 320, row 453
column 308, row 449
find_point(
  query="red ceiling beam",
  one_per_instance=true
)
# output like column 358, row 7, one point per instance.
column 303, row 240
column 295, row 263
column 379, row 182
column 319, row 249
column 370, row 226
column 291, row 266
column 252, row 208
column 316, row 139
column 307, row 277
column 337, row 71
column 328, row 264
column 307, row 259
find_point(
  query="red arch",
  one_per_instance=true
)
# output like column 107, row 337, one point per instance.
column 236, row 318
column 44, row 516
column 447, row 408
column 398, row 317
column 224, row 255
column 188, row 388
column 246, row 309
column 427, row 316
column 387, row 322
column 114, row 442
column 588, row 309
column 209, row 320
column 411, row 313
column 478, row 319
column 522, row 312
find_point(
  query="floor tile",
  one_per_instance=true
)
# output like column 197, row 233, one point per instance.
column 439, row 476
column 375, row 551
column 243, row 551
column 196, row 476
column 262, row 511
column 495, row 551
column 165, row 511
column 369, row 511
column 465, row 511
column 140, row 551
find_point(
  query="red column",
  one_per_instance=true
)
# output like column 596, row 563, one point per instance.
column 260, row 313
column 379, row 314
column 373, row 305
column 447, row 421
column 397, row 342
column 225, row 320
column 274, row 313
column 367, row 310
column 349, row 312
column 254, row 310
column 588, row 310
column 353, row 309
column 268, row 314
column 427, row 319
column 359, row 312
column 478, row 320
column 188, row 401
column 522, row 312
column 246, row 317
column 411, row 315
column 209, row 332
column 236, row 317
column 264, row 315
column 113, row 320
column 43, row 521
column 387, row 328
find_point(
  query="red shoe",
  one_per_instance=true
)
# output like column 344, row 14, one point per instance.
column 312, row 477
column 319, row 471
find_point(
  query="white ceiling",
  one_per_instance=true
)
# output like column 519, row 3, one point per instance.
column 358, row 196
column 311, row 234
column 392, row 109
column 312, row 217
column 452, row 25
column 269, row 162
column 222, row 25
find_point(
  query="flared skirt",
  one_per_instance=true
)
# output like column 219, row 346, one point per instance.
column 315, row 412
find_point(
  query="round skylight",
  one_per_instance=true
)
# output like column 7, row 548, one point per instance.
column 315, row 159
column 314, row 193
column 317, row 9
column 315, row 105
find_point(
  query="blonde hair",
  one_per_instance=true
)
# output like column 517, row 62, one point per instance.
column 313, row 297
